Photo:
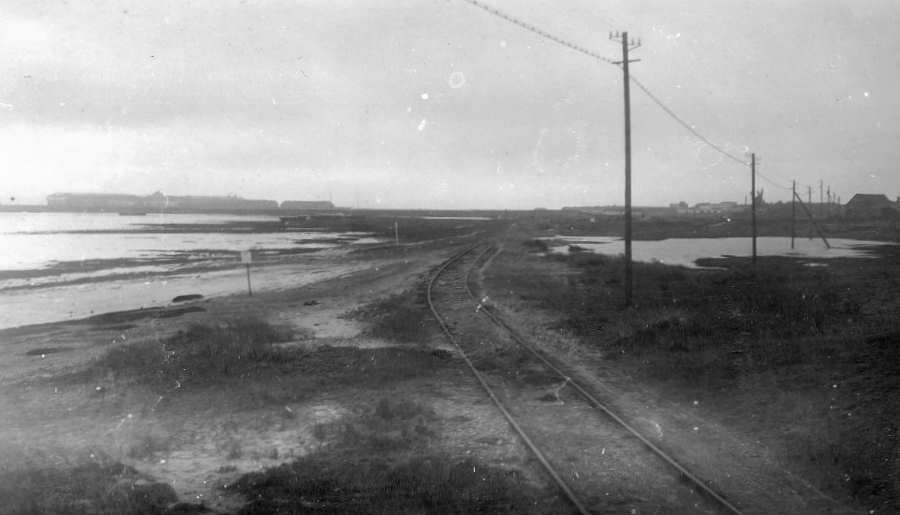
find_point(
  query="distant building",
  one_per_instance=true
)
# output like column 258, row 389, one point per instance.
column 617, row 211
column 229, row 203
column 94, row 201
column 681, row 208
column 307, row 205
column 597, row 210
column 155, row 202
column 867, row 205
column 716, row 207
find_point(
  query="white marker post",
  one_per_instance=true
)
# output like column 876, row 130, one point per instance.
column 246, row 259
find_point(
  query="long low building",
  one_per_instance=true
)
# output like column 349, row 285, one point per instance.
column 99, row 201
column 155, row 202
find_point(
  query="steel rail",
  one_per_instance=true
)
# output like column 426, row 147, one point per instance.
column 685, row 473
column 567, row 491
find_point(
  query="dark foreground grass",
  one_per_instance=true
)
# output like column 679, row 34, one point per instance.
column 378, row 462
column 805, row 357
column 101, row 488
column 199, row 353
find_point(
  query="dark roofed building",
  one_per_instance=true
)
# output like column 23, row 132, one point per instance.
column 867, row 205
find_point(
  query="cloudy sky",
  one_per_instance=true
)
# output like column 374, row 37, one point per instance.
column 437, row 103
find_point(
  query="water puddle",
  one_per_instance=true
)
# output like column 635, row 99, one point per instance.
column 686, row 251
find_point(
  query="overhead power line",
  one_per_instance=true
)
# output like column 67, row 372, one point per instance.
column 540, row 32
column 690, row 128
column 773, row 182
column 578, row 48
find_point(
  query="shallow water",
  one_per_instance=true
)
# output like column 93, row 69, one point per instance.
column 24, row 222
column 33, row 241
column 686, row 251
column 61, row 266
column 75, row 301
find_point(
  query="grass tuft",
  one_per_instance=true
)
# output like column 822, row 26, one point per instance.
column 199, row 352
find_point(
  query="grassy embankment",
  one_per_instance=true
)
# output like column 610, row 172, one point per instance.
column 804, row 358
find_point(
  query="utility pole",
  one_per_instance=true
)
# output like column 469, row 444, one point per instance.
column 793, row 212
column 753, row 196
column 813, row 222
column 809, row 201
column 626, row 83
column 821, row 199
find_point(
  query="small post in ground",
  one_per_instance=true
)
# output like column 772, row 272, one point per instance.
column 246, row 259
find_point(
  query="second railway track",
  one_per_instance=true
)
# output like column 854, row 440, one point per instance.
column 599, row 462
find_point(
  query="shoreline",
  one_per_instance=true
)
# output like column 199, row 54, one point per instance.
column 80, row 299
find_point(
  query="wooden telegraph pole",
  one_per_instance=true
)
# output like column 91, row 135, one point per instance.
column 626, row 83
column 793, row 212
column 753, row 202
column 821, row 200
column 809, row 202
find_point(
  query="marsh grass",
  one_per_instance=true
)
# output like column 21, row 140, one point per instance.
column 240, row 365
column 804, row 355
column 401, row 318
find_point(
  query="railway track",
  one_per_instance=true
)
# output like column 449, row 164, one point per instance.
column 563, row 435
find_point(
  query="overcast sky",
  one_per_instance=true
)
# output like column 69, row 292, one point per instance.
column 436, row 103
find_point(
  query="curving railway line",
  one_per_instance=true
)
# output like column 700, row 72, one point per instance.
column 597, row 460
